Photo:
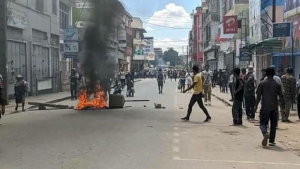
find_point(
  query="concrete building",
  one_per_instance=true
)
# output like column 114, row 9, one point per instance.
column 195, row 39
column 230, row 44
column 263, row 45
column 125, row 41
column 65, row 22
column 291, row 14
column 138, row 44
column 159, row 56
column 33, row 29
column 210, row 22
column 149, row 52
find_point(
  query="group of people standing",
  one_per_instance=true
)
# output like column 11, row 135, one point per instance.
column 273, row 91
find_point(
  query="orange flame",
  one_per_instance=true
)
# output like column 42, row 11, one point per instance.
column 99, row 101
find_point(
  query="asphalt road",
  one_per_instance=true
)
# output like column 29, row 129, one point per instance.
column 137, row 137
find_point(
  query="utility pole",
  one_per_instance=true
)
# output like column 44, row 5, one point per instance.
column 3, row 38
column 187, row 58
column 293, row 57
column 274, row 11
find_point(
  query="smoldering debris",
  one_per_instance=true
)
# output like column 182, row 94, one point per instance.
column 95, row 65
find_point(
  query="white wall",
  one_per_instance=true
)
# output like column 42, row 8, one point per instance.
column 137, row 23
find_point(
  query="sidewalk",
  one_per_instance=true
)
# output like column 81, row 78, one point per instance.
column 287, row 133
column 47, row 98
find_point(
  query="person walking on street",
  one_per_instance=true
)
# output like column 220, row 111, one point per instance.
column 244, row 73
column 249, row 93
column 224, row 82
column 130, row 86
column 123, row 78
column 2, row 100
column 289, row 87
column 237, row 110
column 268, row 92
column 160, row 81
column 21, row 88
column 182, row 82
column 263, row 74
column 197, row 96
column 215, row 78
column 189, row 80
column 220, row 79
column 73, row 84
column 207, row 75
column 231, row 85
column 175, row 75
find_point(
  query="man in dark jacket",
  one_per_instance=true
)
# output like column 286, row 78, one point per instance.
column 73, row 84
column 237, row 111
column 160, row 81
column 268, row 92
column 289, row 86
column 249, row 94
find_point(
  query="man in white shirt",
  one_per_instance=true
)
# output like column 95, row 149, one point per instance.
column 231, row 85
column 206, row 76
column 123, row 78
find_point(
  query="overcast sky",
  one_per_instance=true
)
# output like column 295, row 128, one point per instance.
column 169, row 13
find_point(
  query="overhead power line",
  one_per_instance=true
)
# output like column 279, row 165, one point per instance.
column 139, row 15
column 166, row 26
column 171, row 41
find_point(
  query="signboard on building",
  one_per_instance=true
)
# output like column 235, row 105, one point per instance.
column 211, row 56
column 245, row 55
column 282, row 29
column 80, row 16
column 151, row 56
column 70, row 34
column 255, row 21
column 292, row 12
column 138, row 57
column 149, row 46
column 129, row 51
column 16, row 19
column 230, row 24
column 71, row 47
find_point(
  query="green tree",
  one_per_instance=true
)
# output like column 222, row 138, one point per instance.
column 171, row 56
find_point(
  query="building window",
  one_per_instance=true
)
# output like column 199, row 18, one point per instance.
column 39, row 5
column 54, row 7
column 64, row 11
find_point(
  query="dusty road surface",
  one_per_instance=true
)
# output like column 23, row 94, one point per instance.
column 137, row 137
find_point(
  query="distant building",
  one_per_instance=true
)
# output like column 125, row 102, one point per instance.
column 209, row 28
column 149, row 51
column 138, row 44
column 195, row 39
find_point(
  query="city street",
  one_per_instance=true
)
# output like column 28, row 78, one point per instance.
column 137, row 137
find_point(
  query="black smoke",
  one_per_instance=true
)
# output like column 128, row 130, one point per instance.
column 95, row 66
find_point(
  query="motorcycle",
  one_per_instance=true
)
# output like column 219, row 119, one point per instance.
column 117, row 88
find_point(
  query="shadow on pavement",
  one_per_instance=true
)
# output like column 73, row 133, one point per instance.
column 274, row 148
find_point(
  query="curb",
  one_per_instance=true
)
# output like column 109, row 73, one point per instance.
column 223, row 100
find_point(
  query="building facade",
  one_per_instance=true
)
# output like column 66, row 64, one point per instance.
column 33, row 45
column 210, row 22
column 195, row 39
column 139, row 43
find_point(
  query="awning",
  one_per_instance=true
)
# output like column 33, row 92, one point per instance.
column 286, row 54
column 274, row 43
